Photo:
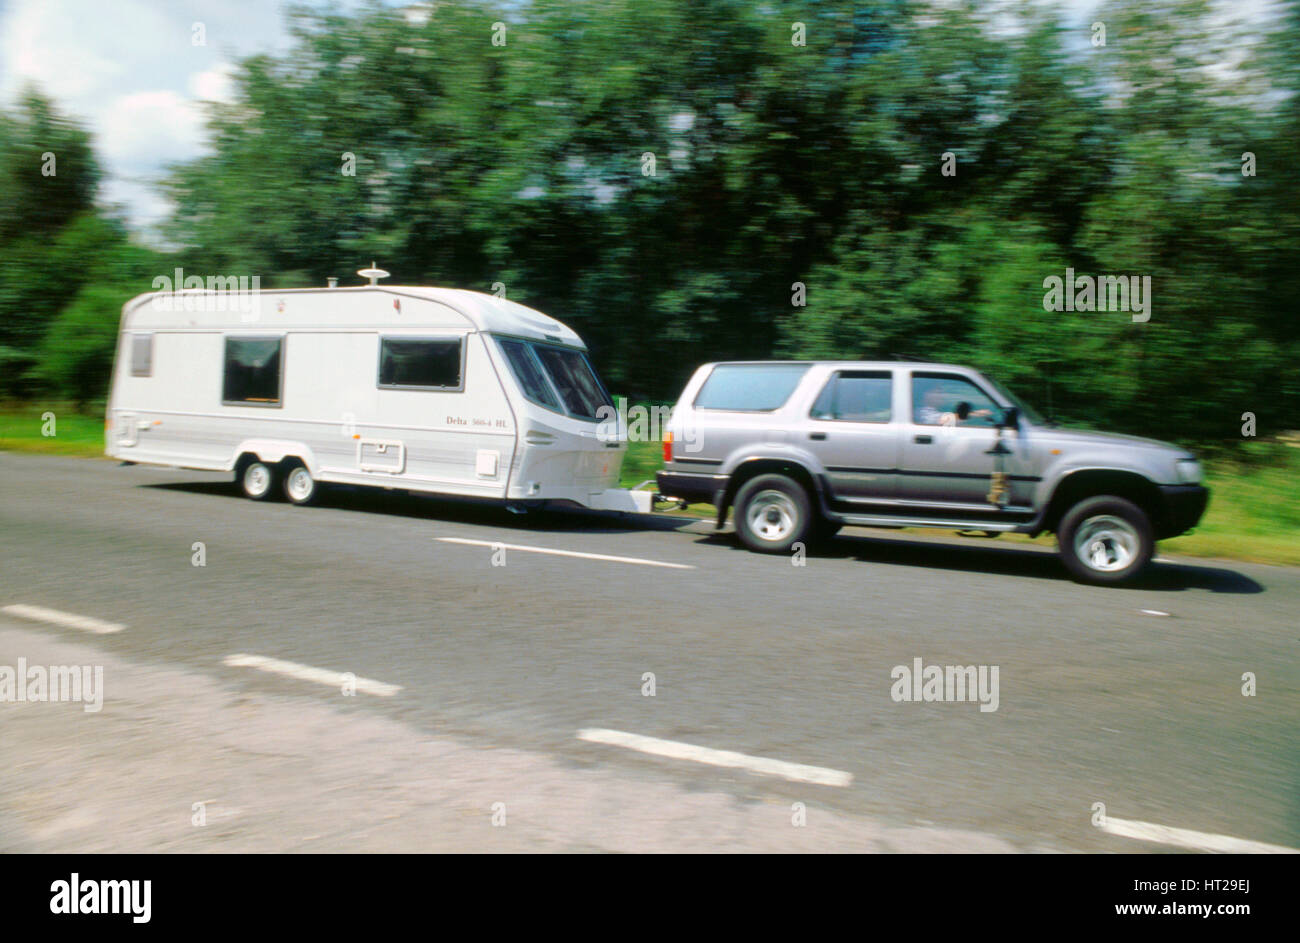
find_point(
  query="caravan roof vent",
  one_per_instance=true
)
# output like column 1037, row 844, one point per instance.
column 372, row 273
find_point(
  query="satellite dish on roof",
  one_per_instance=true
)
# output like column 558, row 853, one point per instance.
column 372, row 273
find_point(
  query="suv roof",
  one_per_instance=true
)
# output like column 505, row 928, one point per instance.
column 871, row 364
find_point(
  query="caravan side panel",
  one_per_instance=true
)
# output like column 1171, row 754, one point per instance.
column 332, row 412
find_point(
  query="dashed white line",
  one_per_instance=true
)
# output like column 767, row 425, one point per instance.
column 1153, row 612
column 65, row 619
column 562, row 553
column 292, row 669
column 796, row 772
column 1186, row 838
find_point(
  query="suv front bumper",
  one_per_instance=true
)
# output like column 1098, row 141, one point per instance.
column 1183, row 507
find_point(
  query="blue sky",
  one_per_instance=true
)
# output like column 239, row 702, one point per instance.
column 130, row 71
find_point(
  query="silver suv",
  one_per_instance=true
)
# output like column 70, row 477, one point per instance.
column 802, row 448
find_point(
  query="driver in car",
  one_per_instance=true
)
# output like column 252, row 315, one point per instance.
column 934, row 411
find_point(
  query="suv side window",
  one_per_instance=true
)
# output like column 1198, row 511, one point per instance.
column 856, row 396
column 750, row 387
column 935, row 397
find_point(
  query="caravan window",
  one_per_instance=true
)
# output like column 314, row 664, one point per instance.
column 141, row 355
column 252, row 371
column 529, row 373
column 420, row 363
column 574, row 380
column 559, row 378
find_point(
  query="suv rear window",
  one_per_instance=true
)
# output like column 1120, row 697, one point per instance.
column 750, row 387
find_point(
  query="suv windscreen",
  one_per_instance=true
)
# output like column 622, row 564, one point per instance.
column 750, row 387
column 551, row 376
column 1025, row 409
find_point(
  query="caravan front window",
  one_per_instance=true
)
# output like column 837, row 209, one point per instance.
column 574, row 379
column 528, row 373
column 559, row 378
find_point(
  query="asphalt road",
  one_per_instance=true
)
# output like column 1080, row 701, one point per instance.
column 1099, row 700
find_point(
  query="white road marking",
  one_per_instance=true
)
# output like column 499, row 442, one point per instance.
column 562, row 553
column 1186, row 838
column 796, row 772
column 292, row 669
column 66, row 619
column 1154, row 612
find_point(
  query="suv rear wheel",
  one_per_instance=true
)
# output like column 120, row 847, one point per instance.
column 773, row 513
column 1106, row 540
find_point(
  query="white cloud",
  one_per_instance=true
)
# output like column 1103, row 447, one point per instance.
column 144, row 130
column 130, row 71
column 146, row 206
column 215, row 84
column 33, row 43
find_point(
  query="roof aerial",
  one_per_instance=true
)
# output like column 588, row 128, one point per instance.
column 372, row 273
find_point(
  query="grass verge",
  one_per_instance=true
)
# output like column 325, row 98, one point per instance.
column 51, row 428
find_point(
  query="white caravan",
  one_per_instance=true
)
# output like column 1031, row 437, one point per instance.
column 425, row 389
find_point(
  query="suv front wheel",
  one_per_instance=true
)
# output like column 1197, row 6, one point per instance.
column 1106, row 539
column 773, row 513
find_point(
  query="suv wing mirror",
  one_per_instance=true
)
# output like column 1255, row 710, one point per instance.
column 1011, row 417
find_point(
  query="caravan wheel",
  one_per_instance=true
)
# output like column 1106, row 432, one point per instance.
column 257, row 480
column 299, row 485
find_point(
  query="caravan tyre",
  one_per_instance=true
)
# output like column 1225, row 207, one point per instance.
column 258, row 480
column 299, row 485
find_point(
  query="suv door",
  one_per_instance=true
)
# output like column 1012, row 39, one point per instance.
column 853, row 431
column 945, row 460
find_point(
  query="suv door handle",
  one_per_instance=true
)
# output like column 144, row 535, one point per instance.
column 923, row 440
column 819, row 436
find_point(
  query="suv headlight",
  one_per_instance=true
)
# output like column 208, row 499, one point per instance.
column 1188, row 471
